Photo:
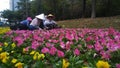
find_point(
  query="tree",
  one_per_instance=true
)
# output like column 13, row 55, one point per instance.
column 83, row 8
column 11, row 15
column 8, row 14
column 69, row 9
column 54, row 6
column 93, row 13
column 24, row 7
column 36, row 7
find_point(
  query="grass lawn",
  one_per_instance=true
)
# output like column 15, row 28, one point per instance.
column 103, row 22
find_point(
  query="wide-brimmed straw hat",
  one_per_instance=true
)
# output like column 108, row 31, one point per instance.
column 41, row 16
column 50, row 15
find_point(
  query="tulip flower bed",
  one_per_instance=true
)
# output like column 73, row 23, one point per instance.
column 4, row 29
column 60, row 48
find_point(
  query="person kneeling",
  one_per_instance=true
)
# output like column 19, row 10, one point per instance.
column 50, row 23
column 24, row 25
column 36, row 22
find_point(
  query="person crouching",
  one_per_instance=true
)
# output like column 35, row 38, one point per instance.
column 49, row 22
column 24, row 25
column 37, row 22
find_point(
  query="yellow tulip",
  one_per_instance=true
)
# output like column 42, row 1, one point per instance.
column 33, row 52
column 42, row 56
column 6, row 44
column 19, row 65
column 4, row 30
column 24, row 51
column 84, row 67
column 3, row 55
column 14, row 60
column 65, row 63
column 4, row 60
column 0, row 49
column 102, row 64
column 36, row 56
column 13, row 45
column 12, row 51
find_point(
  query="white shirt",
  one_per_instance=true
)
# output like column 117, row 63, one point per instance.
column 49, row 22
column 34, row 22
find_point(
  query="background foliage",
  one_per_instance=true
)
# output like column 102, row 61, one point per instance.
column 65, row 9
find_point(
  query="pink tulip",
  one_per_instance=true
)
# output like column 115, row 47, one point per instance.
column 62, row 45
column 105, row 55
column 76, row 52
column 27, row 48
column 117, row 65
column 19, row 40
column 61, row 36
column 35, row 45
column 111, row 31
column 53, row 51
column 69, row 36
column 90, row 46
column 55, row 41
column 98, row 46
column 60, row 53
column 88, row 39
column 49, row 44
column 45, row 50
column 68, row 45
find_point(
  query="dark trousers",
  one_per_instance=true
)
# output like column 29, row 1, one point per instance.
column 23, row 27
column 32, row 27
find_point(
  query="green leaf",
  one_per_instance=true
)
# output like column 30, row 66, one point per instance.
column 79, row 62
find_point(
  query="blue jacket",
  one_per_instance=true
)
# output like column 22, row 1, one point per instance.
column 25, row 22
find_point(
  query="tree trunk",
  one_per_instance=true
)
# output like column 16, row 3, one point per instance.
column 26, row 11
column 55, row 7
column 83, row 8
column 71, row 10
column 93, row 13
column 108, row 7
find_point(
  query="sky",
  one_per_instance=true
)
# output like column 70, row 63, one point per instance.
column 4, row 4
